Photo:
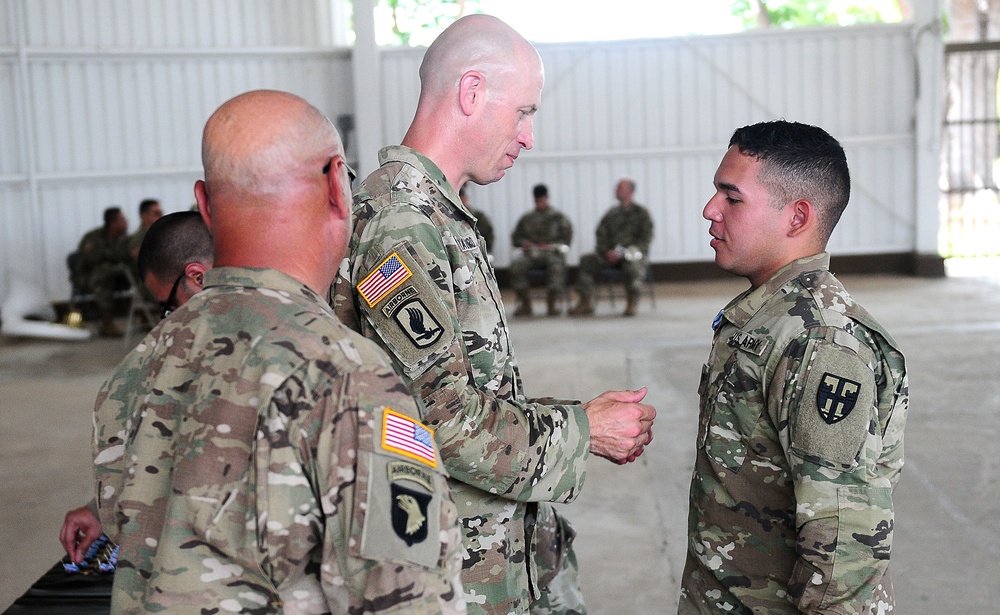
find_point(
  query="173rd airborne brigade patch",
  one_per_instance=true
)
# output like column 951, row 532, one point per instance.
column 405, row 309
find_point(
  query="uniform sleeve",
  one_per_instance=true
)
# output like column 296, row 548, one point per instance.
column 604, row 241
column 645, row 232
column 829, row 390
column 522, row 451
column 109, row 453
column 389, row 525
column 566, row 231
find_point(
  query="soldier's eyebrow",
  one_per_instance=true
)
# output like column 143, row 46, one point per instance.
column 729, row 187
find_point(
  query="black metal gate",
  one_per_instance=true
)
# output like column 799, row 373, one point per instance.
column 971, row 147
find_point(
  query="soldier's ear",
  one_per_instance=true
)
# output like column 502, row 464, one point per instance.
column 201, row 197
column 471, row 91
column 802, row 217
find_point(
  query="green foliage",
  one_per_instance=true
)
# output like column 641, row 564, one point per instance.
column 793, row 13
column 417, row 22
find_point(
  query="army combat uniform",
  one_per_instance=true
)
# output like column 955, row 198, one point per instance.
column 800, row 444
column 418, row 282
column 629, row 228
column 100, row 267
column 547, row 226
column 253, row 455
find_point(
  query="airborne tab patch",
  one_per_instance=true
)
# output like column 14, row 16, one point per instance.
column 836, row 397
column 383, row 280
column 408, row 437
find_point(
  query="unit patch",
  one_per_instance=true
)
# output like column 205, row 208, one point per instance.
column 836, row 397
column 416, row 320
column 407, row 436
column 383, row 280
column 409, row 514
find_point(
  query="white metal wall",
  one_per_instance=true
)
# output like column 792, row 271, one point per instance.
column 102, row 102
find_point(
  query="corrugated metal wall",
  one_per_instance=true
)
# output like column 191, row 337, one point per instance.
column 103, row 103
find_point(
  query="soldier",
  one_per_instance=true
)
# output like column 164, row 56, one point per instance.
column 252, row 454
column 99, row 266
column 803, row 399
column 623, row 237
column 543, row 236
column 418, row 282
column 149, row 212
column 172, row 261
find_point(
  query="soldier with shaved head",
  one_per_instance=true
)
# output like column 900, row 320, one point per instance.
column 418, row 281
column 253, row 454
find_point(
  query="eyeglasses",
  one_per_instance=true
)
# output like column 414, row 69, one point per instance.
column 171, row 303
column 351, row 175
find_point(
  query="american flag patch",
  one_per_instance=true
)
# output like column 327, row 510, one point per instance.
column 408, row 437
column 379, row 283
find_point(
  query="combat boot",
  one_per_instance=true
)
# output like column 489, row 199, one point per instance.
column 524, row 307
column 553, row 304
column 584, row 307
column 632, row 302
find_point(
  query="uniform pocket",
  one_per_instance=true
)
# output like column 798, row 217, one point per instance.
column 732, row 405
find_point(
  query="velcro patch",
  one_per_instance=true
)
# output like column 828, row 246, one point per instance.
column 412, row 318
column 834, row 414
column 383, row 280
column 467, row 244
column 408, row 437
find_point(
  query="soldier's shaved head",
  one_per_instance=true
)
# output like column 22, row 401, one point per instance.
column 480, row 85
column 276, row 192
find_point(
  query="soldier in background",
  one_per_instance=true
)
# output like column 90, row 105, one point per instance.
column 543, row 236
column 99, row 264
column 418, row 282
column 253, row 454
column 803, row 399
column 623, row 238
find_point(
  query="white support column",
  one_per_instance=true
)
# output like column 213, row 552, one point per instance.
column 366, row 67
column 928, row 51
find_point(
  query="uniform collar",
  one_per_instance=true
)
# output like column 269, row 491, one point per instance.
column 425, row 166
column 741, row 309
column 250, row 277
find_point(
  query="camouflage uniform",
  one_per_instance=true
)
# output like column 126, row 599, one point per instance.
column 546, row 226
column 630, row 228
column 418, row 282
column 800, row 444
column 100, row 267
column 254, row 455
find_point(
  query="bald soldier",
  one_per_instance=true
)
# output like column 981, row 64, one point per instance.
column 252, row 454
column 418, row 281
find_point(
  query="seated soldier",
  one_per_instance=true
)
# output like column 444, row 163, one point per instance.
column 623, row 238
column 99, row 266
column 543, row 236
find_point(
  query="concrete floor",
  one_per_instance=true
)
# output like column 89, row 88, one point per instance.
column 631, row 520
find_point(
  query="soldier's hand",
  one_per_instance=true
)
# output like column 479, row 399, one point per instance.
column 80, row 529
column 620, row 426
